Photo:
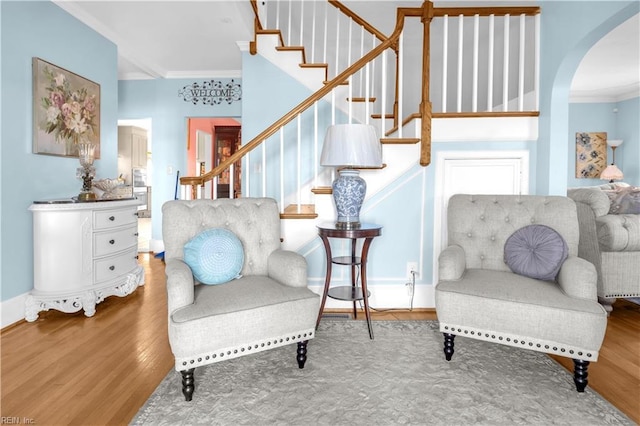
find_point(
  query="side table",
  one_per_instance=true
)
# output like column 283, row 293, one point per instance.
column 352, row 293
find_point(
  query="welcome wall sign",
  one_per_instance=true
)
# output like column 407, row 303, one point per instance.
column 211, row 92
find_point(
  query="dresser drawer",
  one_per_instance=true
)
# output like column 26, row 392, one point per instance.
column 108, row 242
column 105, row 219
column 115, row 266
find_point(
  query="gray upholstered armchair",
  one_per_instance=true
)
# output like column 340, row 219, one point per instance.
column 268, row 305
column 478, row 295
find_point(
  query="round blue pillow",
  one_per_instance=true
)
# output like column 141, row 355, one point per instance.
column 536, row 251
column 215, row 256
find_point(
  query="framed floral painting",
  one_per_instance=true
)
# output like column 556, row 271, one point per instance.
column 66, row 111
column 591, row 154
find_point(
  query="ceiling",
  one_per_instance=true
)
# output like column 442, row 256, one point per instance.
column 201, row 39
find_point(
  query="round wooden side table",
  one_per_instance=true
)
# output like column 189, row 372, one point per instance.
column 353, row 293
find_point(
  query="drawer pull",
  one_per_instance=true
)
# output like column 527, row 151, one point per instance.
column 136, row 234
column 137, row 257
column 111, row 268
column 112, row 241
column 135, row 214
column 112, row 218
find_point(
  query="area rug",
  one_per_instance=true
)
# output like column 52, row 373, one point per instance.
column 400, row 377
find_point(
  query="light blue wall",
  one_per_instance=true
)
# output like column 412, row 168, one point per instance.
column 568, row 30
column 42, row 29
column 159, row 100
column 621, row 121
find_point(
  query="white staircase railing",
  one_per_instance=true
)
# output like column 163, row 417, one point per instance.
column 483, row 61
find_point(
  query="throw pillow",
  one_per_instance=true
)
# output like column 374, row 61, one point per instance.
column 624, row 200
column 536, row 251
column 215, row 256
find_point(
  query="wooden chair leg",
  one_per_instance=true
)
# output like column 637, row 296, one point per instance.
column 302, row 353
column 580, row 374
column 188, row 383
column 448, row 345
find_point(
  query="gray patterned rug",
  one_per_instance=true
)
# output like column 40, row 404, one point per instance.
column 401, row 377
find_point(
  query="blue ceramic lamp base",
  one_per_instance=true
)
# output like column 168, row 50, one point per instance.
column 349, row 190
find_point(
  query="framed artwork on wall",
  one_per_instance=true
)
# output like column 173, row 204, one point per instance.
column 591, row 154
column 66, row 111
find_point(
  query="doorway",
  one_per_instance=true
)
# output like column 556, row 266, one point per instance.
column 211, row 140
column 143, row 166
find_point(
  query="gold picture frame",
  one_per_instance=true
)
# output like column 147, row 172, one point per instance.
column 66, row 110
column 591, row 154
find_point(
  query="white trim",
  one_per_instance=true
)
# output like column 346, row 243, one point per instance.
column 483, row 129
column 439, row 233
column 13, row 310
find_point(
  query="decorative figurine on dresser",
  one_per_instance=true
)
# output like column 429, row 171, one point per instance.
column 83, row 252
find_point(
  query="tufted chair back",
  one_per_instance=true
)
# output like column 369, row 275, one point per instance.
column 481, row 224
column 256, row 222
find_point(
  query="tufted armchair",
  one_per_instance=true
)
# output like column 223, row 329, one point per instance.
column 610, row 241
column 478, row 296
column 267, row 307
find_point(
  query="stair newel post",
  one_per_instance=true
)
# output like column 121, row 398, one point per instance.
column 425, row 104
column 194, row 192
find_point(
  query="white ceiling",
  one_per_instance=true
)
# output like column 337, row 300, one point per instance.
column 199, row 39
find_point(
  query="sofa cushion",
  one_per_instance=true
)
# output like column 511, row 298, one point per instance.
column 215, row 256
column 535, row 251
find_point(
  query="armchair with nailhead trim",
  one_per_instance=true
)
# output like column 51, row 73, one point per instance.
column 479, row 297
column 268, row 306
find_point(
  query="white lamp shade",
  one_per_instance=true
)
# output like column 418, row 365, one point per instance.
column 614, row 142
column 612, row 172
column 351, row 145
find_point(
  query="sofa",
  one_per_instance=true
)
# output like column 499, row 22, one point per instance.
column 609, row 224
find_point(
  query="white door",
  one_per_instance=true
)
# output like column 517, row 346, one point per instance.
column 476, row 172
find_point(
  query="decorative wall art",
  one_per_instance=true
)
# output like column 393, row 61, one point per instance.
column 66, row 111
column 211, row 92
column 591, row 154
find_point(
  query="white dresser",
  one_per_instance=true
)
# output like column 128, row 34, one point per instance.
column 83, row 253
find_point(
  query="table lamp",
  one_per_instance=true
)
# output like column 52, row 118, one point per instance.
column 612, row 172
column 348, row 147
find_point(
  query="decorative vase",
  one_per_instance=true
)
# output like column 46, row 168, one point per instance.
column 349, row 190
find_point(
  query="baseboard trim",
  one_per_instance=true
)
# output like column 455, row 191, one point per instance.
column 13, row 310
column 385, row 297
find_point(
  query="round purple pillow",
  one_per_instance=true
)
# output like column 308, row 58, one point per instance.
column 536, row 251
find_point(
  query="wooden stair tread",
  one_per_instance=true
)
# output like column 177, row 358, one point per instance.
column 314, row 65
column 284, row 48
column 354, row 99
column 380, row 116
column 307, row 211
column 322, row 190
column 399, row 141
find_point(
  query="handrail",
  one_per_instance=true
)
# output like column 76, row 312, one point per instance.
column 323, row 91
column 486, row 11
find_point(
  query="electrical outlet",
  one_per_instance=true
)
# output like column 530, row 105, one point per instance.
column 412, row 266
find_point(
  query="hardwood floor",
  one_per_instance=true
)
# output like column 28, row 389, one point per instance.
column 66, row 369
